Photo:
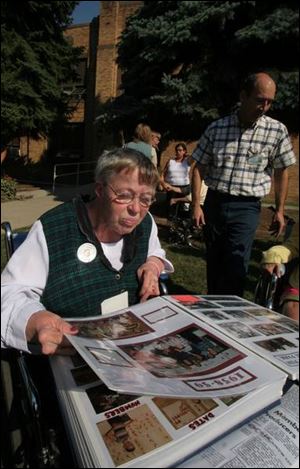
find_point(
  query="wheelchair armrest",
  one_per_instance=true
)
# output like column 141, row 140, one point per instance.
column 265, row 290
column 163, row 278
column 12, row 239
column 32, row 394
column 23, row 412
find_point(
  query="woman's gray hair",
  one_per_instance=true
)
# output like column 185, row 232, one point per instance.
column 113, row 162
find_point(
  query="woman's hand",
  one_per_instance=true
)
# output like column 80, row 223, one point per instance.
column 148, row 274
column 47, row 329
column 167, row 187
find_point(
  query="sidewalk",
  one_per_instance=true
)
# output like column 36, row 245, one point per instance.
column 23, row 213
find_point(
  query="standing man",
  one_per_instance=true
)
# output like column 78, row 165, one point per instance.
column 236, row 156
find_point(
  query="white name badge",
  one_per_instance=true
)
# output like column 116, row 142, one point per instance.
column 114, row 303
column 86, row 252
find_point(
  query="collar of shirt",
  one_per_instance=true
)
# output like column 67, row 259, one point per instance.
column 85, row 226
column 260, row 121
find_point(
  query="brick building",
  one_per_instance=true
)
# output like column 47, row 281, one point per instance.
column 98, row 82
column 99, row 79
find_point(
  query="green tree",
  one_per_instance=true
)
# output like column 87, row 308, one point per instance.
column 36, row 61
column 183, row 62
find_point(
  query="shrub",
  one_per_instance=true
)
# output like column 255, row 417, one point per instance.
column 8, row 188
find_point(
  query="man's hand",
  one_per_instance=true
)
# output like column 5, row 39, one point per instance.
column 198, row 215
column 278, row 224
column 197, row 212
column 281, row 179
column 47, row 329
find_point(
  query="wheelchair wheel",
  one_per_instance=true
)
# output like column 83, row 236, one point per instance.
column 183, row 234
column 268, row 291
column 194, row 238
column 177, row 233
column 177, row 239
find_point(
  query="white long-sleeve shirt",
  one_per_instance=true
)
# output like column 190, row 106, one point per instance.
column 24, row 278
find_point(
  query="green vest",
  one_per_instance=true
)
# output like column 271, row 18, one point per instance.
column 75, row 288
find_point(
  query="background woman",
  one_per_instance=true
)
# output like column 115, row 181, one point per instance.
column 175, row 178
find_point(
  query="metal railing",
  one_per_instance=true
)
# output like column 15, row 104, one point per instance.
column 78, row 171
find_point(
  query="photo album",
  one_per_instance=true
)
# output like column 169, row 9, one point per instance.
column 269, row 334
column 153, row 384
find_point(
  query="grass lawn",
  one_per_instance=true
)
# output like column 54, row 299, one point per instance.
column 190, row 266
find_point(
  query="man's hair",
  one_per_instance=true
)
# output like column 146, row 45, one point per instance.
column 113, row 162
column 250, row 81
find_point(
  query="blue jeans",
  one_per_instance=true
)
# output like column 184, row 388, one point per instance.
column 231, row 222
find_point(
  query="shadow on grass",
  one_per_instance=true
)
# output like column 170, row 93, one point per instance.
column 174, row 288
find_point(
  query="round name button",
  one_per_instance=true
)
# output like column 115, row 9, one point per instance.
column 86, row 252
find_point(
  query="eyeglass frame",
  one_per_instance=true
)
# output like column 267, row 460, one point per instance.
column 134, row 196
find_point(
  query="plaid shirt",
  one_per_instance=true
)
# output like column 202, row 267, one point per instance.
column 241, row 161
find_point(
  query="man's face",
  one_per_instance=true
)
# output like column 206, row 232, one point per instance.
column 121, row 214
column 258, row 102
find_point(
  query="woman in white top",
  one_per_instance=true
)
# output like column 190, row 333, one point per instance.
column 175, row 178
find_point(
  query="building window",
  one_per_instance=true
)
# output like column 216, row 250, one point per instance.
column 70, row 142
column 76, row 88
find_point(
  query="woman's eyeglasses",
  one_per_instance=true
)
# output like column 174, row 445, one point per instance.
column 126, row 197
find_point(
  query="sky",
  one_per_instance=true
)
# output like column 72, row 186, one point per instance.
column 85, row 12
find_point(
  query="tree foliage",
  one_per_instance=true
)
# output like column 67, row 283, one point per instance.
column 183, row 62
column 36, row 60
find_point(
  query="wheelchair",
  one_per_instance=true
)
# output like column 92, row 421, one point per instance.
column 32, row 430
column 269, row 287
column 32, row 426
column 182, row 232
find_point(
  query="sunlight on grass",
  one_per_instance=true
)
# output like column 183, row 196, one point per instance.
column 190, row 269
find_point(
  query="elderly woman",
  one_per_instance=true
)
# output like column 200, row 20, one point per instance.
column 81, row 253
